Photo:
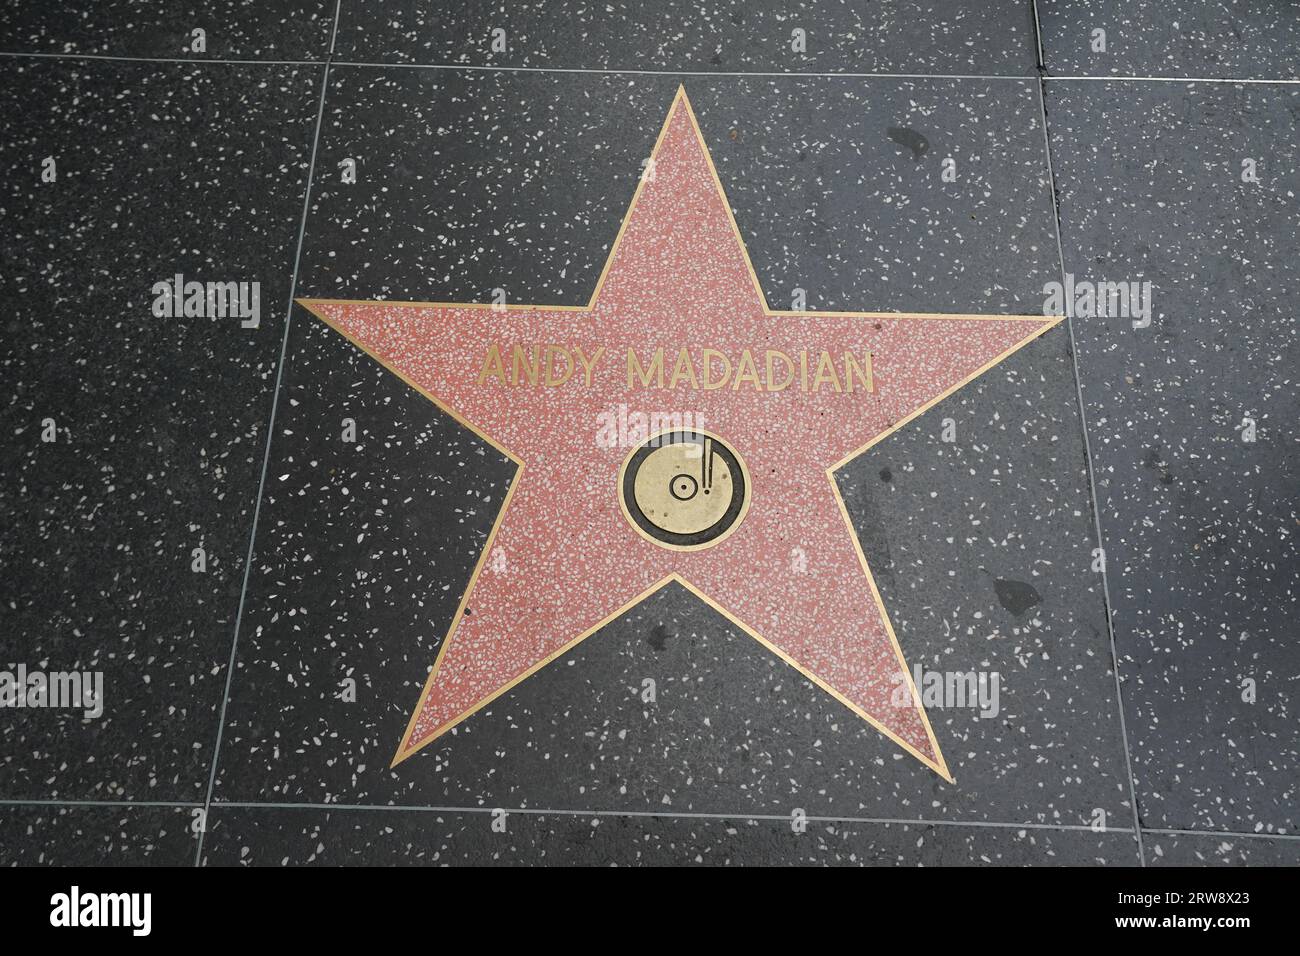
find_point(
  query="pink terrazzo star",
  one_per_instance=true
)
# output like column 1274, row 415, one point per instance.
column 563, row 558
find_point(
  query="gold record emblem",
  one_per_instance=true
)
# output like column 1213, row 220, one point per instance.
column 684, row 490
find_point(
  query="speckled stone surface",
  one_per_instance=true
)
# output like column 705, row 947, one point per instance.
column 836, row 185
column 1193, row 849
column 1200, row 526
column 1053, row 756
column 161, row 422
column 1228, row 39
column 679, row 267
column 985, row 546
column 513, row 171
column 160, row 29
column 35, row 835
column 891, row 36
column 266, row 837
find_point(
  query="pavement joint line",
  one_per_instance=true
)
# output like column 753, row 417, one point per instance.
column 1234, row 834
column 192, row 61
column 1092, row 488
column 266, row 455
column 663, row 814
column 1038, row 39
column 173, row 804
column 614, row 71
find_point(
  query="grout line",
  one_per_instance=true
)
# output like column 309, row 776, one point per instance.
column 1092, row 488
column 485, row 68
column 1060, row 252
column 611, row 72
column 1223, row 833
column 338, row 9
column 757, row 74
column 266, row 456
column 636, row 814
column 175, row 805
column 1177, row 79
column 653, row 814
column 1038, row 39
column 191, row 61
column 607, row 71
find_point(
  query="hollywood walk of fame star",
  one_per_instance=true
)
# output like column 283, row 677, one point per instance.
column 780, row 400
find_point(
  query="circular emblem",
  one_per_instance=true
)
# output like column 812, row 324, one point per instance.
column 684, row 490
